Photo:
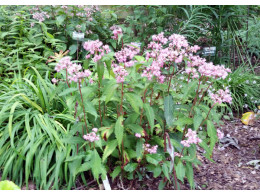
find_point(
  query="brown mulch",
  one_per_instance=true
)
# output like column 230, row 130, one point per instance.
column 230, row 172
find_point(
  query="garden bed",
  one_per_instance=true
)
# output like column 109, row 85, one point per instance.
column 229, row 172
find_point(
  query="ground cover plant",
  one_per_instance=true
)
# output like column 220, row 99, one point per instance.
column 111, row 107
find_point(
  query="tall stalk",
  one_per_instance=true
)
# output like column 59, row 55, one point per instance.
column 85, row 120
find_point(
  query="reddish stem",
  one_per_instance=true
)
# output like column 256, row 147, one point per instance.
column 85, row 120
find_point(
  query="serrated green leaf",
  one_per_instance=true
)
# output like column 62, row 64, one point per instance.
column 73, row 48
column 189, row 174
column 116, row 172
column 130, row 167
column 157, row 171
column 119, row 130
column 67, row 91
column 180, row 171
column 165, row 170
column 110, row 147
column 150, row 116
column 212, row 133
column 154, row 158
column 135, row 101
column 100, row 70
column 168, row 110
column 90, row 108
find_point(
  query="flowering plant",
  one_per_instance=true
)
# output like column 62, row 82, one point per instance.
column 152, row 112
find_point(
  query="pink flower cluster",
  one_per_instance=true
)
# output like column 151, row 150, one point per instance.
column 192, row 71
column 162, row 55
column 116, row 31
column 74, row 70
column 91, row 137
column 40, row 16
column 120, row 73
column 96, row 48
column 178, row 41
column 210, row 70
column 127, row 53
column 150, row 149
column 192, row 138
column 221, row 96
column 220, row 134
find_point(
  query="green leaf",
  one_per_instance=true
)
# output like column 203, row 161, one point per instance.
column 180, row 171
column 161, row 185
column 212, row 133
column 108, row 65
column 165, row 170
column 119, row 130
column 140, row 58
column 90, row 108
column 100, row 70
column 197, row 119
column 130, row 167
column 116, row 172
column 60, row 19
column 109, row 90
column 8, row 185
column 67, row 91
column 168, row 110
column 135, row 101
column 153, row 158
column 157, row 171
column 135, row 128
column 150, row 116
column 189, row 174
column 96, row 164
column 139, row 148
column 189, row 89
column 110, row 147
column 10, row 123
column 183, row 121
column 73, row 48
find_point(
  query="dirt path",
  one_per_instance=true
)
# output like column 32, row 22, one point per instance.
column 230, row 172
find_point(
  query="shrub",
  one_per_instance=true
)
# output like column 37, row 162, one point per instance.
column 142, row 115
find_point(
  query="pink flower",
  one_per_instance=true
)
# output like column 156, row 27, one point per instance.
column 138, row 135
column 221, row 96
column 91, row 137
column 220, row 134
column 120, row 73
column 54, row 80
column 192, row 138
column 95, row 129
column 149, row 149
column 116, row 31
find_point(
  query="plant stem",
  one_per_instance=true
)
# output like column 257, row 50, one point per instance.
column 207, row 115
column 151, row 97
column 170, row 81
column 204, row 93
column 142, row 110
column 67, row 79
column 100, row 115
column 122, row 96
column 85, row 120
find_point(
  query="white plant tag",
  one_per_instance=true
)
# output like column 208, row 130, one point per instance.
column 170, row 150
column 209, row 51
column 106, row 184
column 77, row 36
